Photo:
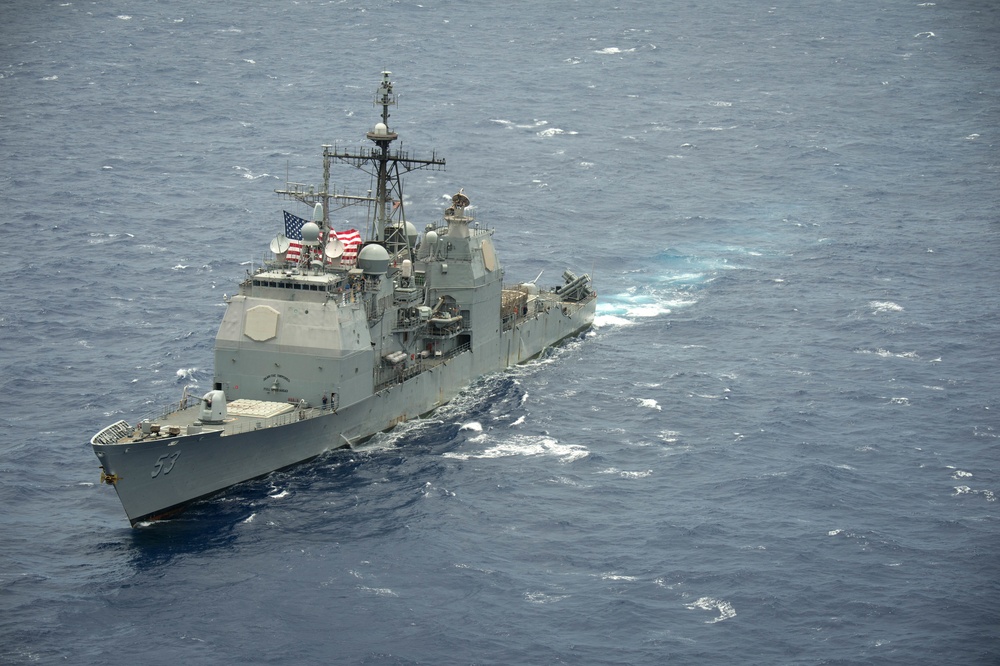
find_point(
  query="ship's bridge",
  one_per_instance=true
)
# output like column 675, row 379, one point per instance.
column 286, row 284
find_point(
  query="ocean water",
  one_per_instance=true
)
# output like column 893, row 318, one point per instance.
column 778, row 444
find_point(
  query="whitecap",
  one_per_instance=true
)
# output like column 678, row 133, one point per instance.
column 650, row 403
column 246, row 173
column 879, row 307
column 626, row 474
column 250, row 518
column 636, row 475
column 885, row 353
column 526, row 445
column 542, row 597
column 553, row 131
column 617, row 576
column 474, row 426
column 966, row 490
column 724, row 608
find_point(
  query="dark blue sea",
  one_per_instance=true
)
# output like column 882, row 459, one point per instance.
column 779, row 444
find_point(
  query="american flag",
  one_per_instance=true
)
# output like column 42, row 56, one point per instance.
column 293, row 231
column 352, row 243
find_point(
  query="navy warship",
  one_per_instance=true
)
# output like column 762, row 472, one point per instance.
column 336, row 338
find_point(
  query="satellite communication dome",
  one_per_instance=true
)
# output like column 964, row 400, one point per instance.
column 429, row 245
column 373, row 259
column 380, row 129
column 310, row 233
column 411, row 234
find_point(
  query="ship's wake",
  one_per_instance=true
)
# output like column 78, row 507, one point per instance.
column 660, row 285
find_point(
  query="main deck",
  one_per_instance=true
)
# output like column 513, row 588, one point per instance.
column 243, row 415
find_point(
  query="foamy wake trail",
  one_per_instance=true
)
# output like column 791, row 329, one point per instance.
column 523, row 445
column 629, row 308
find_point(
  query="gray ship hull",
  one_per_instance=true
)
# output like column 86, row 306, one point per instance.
column 155, row 478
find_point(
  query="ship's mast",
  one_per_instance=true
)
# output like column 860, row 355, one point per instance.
column 385, row 165
column 382, row 136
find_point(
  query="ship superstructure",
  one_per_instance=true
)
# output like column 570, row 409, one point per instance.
column 329, row 343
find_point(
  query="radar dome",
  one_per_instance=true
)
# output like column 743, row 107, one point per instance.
column 429, row 245
column 411, row 234
column 407, row 230
column 373, row 259
column 310, row 233
column 380, row 129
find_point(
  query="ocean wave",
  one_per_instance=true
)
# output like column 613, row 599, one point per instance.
column 724, row 608
column 525, row 445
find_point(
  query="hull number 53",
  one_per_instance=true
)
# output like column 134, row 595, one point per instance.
column 165, row 463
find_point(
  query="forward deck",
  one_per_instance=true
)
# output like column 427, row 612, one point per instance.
column 243, row 416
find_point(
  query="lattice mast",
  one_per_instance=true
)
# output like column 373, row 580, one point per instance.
column 383, row 164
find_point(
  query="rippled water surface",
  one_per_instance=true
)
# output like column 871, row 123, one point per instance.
column 778, row 444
